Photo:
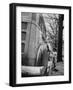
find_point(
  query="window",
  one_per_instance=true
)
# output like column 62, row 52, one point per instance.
column 23, row 47
column 24, row 25
column 23, row 36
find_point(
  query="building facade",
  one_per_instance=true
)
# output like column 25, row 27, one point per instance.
column 31, row 36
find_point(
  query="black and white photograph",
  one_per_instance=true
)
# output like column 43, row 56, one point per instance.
column 40, row 44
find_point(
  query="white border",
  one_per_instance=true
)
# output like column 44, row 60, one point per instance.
column 19, row 79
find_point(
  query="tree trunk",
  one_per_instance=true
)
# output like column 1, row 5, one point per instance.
column 60, row 35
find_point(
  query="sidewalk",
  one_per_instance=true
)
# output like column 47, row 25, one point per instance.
column 59, row 69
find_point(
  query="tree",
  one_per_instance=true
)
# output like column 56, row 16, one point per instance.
column 52, row 28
